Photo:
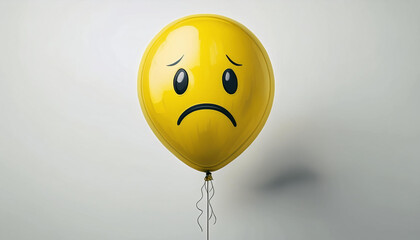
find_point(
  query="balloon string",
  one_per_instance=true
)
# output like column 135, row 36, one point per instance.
column 208, row 204
column 201, row 210
column 211, row 207
column 209, row 195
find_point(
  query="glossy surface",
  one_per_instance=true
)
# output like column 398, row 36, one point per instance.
column 212, row 112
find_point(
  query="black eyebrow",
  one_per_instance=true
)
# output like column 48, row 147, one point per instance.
column 234, row 63
column 177, row 61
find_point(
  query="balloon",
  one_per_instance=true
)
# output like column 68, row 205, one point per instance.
column 206, row 88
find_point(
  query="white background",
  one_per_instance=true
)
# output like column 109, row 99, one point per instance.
column 337, row 159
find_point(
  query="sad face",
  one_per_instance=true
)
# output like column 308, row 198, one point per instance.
column 206, row 89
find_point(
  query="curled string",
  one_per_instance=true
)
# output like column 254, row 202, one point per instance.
column 199, row 209
column 212, row 214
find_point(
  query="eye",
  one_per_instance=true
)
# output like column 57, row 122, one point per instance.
column 230, row 82
column 180, row 81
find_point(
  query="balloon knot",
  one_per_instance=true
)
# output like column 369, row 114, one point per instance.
column 208, row 176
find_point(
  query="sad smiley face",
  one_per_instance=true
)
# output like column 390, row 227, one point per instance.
column 206, row 89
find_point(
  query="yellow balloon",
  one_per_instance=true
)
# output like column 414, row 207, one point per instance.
column 206, row 88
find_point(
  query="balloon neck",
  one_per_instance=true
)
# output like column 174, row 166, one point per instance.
column 208, row 176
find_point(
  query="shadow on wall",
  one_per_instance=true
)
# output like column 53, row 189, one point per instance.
column 289, row 162
column 287, row 181
column 288, row 178
column 288, row 167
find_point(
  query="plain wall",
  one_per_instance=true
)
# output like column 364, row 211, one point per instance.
column 337, row 159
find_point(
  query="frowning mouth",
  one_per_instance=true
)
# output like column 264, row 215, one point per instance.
column 207, row 106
